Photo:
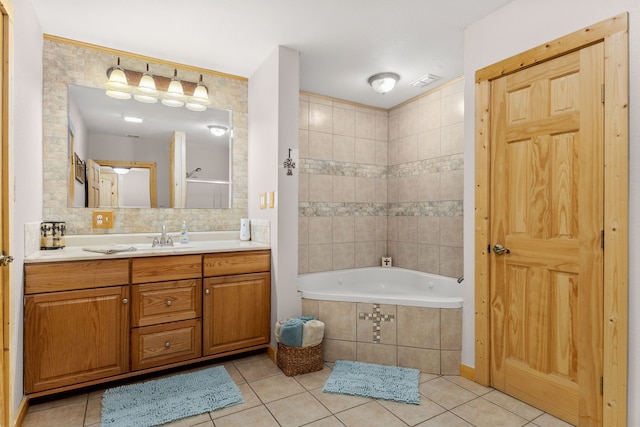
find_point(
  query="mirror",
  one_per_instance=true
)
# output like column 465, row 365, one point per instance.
column 170, row 159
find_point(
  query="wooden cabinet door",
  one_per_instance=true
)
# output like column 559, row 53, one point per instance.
column 75, row 336
column 236, row 312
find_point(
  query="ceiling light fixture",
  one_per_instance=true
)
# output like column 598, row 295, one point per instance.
column 132, row 119
column 121, row 171
column 146, row 91
column 200, row 98
column 383, row 82
column 217, row 130
column 175, row 96
column 117, row 85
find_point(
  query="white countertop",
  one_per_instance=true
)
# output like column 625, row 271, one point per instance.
column 139, row 245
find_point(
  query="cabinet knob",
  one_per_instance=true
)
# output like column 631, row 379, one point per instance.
column 167, row 344
column 169, row 303
column 125, row 301
column 207, row 291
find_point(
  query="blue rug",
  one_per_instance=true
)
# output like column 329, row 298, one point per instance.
column 375, row 381
column 167, row 399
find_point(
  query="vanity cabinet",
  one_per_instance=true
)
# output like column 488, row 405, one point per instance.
column 237, row 301
column 90, row 322
column 71, row 334
column 166, row 313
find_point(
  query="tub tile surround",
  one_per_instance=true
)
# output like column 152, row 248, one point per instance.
column 428, row 339
column 67, row 63
column 379, row 183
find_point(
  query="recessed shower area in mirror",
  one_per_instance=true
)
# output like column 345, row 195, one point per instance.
column 125, row 153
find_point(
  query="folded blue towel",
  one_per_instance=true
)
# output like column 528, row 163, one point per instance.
column 291, row 333
column 305, row 319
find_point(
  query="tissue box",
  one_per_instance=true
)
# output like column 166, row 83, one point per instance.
column 299, row 360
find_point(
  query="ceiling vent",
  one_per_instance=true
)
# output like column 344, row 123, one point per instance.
column 425, row 80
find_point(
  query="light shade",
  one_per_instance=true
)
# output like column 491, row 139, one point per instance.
column 175, row 96
column 200, row 98
column 383, row 82
column 217, row 130
column 146, row 90
column 117, row 85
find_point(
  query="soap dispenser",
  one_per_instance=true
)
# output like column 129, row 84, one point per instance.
column 184, row 235
column 245, row 229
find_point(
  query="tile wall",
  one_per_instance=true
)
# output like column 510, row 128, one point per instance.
column 375, row 182
column 425, row 182
column 343, row 185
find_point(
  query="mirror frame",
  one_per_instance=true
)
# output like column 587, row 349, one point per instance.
column 89, row 63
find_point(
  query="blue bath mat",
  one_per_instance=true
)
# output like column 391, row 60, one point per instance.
column 375, row 381
column 167, row 399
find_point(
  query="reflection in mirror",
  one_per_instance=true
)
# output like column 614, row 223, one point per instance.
column 172, row 157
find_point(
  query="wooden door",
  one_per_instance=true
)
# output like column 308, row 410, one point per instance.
column 75, row 336
column 93, row 178
column 108, row 189
column 236, row 312
column 4, row 223
column 547, row 211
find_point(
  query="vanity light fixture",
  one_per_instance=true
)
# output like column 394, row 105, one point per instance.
column 146, row 91
column 117, row 85
column 121, row 171
column 217, row 130
column 149, row 88
column 175, row 96
column 200, row 98
column 383, row 82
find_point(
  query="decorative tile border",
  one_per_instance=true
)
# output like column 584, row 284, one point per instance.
column 440, row 208
column 311, row 209
column 330, row 167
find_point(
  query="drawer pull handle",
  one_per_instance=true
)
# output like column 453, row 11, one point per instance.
column 206, row 291
column 167, row 344
column 169, row 303
column 125, row 301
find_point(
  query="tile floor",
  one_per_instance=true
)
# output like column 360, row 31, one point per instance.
column 273, row 399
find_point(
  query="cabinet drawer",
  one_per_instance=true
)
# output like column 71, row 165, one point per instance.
column 162, row 268
column 167, row 343
column 154, row 303
column 72, row 275
column 226, row 264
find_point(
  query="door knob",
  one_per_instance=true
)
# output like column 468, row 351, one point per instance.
column 500, row 250
column 5, row 259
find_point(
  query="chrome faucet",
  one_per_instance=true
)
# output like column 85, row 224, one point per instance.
column 165, row 240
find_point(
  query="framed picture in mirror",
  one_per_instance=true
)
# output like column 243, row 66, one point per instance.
column 80, row 167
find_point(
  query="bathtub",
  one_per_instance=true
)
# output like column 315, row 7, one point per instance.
column 382, row 285
column 390, row 316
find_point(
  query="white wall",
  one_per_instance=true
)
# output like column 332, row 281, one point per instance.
column 273, row 129
column 521, row 25
column 25, row 160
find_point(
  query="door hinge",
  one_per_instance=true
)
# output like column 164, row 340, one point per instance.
column 602, row 239
column 601, row 385
column 602, row 93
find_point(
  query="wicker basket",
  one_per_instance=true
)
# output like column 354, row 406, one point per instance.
column 299, row 360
